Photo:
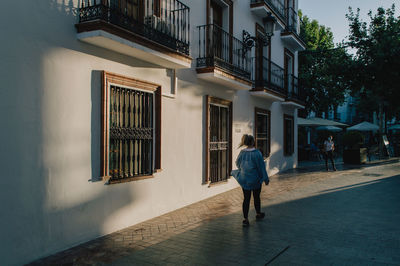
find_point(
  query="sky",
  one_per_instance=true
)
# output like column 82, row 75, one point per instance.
column 331, row 13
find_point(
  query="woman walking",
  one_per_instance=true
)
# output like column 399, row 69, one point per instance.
column 250, row 175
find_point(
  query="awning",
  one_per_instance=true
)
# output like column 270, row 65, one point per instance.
column 316, row 121
column 364, row 126
column 394, row 127
column 329, row 128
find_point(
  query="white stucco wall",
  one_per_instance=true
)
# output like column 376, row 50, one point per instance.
column 50, row 110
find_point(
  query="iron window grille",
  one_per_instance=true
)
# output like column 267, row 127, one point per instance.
column 263, row 131
column 219, row 140
column 131, row 123
column 131, row 133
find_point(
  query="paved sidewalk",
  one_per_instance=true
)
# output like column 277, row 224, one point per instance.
column 300, row 228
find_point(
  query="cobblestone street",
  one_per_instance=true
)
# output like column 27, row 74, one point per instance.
column 313, row 217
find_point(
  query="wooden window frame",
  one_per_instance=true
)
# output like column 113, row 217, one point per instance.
column 215, row 100
column 109, row 78
column 290, row 153
column 268, row 113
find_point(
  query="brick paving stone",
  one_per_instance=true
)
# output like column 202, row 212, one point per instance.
column 205, row 232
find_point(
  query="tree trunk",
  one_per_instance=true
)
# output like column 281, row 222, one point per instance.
column 380, row 115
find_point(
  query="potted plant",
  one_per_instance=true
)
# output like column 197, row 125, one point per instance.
column 354, row 152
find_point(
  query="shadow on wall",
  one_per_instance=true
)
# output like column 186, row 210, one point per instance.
column 96, row 91
column 47, row 163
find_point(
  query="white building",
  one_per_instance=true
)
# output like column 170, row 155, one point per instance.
column 347, row 112
column 118, row 111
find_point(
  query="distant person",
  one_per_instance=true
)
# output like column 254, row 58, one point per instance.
column 315, row 151
column 328, row 148
column 313, row 147
column 250, row 175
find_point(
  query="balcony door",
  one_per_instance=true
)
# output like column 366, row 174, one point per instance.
column 262, row 52
column 216, row 14
column 217, row 29
column 130, row 9
column 220, row 16
column 289, row 69
column 290, row 14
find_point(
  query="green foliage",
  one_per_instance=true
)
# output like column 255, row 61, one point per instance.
column 324, row 71
column 353, row 139
column 376, row 69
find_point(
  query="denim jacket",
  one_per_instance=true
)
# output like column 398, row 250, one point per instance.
column 251, row 171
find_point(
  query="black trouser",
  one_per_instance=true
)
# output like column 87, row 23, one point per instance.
column 329, row 155
column 246, row 201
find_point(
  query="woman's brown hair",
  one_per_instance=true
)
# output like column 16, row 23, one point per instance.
column 247, row 140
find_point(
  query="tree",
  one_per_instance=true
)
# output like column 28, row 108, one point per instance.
column 323, row 69
column 377, row 61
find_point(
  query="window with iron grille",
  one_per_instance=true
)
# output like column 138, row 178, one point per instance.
column 219, row 140
column 131, row 128
column 288, row 131
column 263, row 131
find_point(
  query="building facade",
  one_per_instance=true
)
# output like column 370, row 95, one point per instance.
column 118, row 111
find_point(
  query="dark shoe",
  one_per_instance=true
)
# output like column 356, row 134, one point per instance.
column 334, row 169
column 260, row 216
column 245, row 223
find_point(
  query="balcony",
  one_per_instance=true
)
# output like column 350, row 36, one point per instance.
column 295, row 94
column 268, row 80
column 262, row 8
column 156, row 31
column 290, row 35
column 222, row 58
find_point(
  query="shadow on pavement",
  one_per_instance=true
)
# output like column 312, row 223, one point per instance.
column 352, row 225
column 318, row 166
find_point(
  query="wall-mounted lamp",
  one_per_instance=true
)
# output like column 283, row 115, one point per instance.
column 269, row 25
column 251, row 41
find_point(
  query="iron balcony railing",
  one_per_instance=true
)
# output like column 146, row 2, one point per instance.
column 165, row 22
column 292, row 21
column 278, row 6
column 267, row 74
column 219, row 48
column 294, row 91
